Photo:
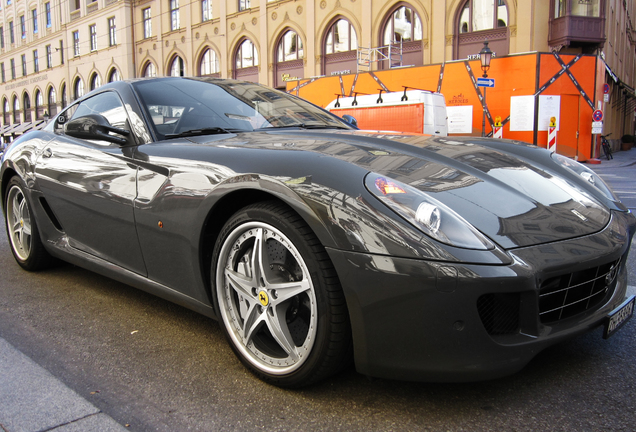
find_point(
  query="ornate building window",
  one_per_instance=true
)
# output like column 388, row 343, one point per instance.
column 341, row 37
column 177, row 67
column 114, row 75
column 78, row 89
column 6, row 111
column 147, row 23
column 39, row 105
column 47, row 12
column 478, row 21
column 246, row 61
column 206, row 10
column 76, row 44
column 174, row 15
column 340, row 48
column 403, row 26
column 586, row 8
column 209, row 63
column 26, row 101
column 289, row 58
column 52, row 105
column 36, row 62
column 95, row 81
column 478, row 15
column 150, row 70
column 112, row 32
column 16, row 110
column 244, row 5
column 92, row 29
column 49, row 57
column 64, row 97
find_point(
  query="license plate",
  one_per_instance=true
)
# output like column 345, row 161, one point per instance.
column 618, row 317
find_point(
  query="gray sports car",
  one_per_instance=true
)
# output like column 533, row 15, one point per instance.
column 422, row 258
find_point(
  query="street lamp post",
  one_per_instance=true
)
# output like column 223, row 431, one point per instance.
column 484, row 55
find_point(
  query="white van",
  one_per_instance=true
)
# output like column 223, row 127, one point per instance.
column 415, row 111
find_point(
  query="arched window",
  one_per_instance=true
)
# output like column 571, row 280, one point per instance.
column 96, row 81
column 341, row 37
column 209, row 63
column 403, row 26
column 290, row 47
column 64, row 97
column 478, row 15
column 289, row 58
column 6, row 112
column 340, row 45
column 246, row 55
column 52, row 105
column 39, row 105
column 480, row 20
column 246, row 61
column 16, row 110
column 150, row 70
column 26, row 102
column 78, row 89
column 177, row 68
column 114, row 75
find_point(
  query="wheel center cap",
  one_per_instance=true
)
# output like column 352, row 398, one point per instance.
column 263, row 298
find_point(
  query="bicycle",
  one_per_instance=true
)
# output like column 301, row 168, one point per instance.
column 607, row 149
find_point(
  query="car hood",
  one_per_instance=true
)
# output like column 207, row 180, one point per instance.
column 514, row 200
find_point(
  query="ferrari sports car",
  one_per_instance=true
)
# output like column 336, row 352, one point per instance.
column 315, row 244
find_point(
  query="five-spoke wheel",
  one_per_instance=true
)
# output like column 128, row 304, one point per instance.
column 22, row 229
column 273, row 283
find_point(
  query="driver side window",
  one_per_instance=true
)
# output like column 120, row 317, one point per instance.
column 106, row 104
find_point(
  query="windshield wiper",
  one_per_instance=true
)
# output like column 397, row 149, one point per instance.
column 203, row 131
column 306, row 126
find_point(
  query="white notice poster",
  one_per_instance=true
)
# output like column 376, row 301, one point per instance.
column 549, row 106
column 522, row 113
column 460, row 119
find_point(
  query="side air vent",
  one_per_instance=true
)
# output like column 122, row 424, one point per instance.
column 49, row 212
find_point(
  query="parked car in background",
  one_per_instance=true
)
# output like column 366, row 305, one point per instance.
column 421, row 257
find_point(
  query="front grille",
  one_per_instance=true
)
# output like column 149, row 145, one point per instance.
column 570, row 294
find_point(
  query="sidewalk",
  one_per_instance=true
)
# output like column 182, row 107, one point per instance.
column 31, row 399
column 620, row 174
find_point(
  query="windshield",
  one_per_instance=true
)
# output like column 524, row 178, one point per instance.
column 184, row 106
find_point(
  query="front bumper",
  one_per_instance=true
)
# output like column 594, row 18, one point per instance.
column 422, row 320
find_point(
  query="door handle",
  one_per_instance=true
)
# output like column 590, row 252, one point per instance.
column 47, row 153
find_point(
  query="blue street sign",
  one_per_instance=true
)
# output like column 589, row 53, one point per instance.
column 485, row 82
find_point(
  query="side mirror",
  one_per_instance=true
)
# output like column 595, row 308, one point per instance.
column 351, row 120
column 95, row 127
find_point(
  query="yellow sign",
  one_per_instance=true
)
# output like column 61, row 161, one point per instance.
column 552, row 122
column 497, row 121
column 263, row 298
column 286, row 77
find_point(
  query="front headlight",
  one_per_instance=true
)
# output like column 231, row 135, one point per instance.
column 590, row 176
column 426, row 214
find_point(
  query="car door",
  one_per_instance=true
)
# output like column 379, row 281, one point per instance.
column 90, row 186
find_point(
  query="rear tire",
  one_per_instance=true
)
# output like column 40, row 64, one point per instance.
column 22, row 229
column 607, row 150
column 278, row 297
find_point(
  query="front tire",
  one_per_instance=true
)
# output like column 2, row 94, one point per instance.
column 278, row 297
column 22, row 229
